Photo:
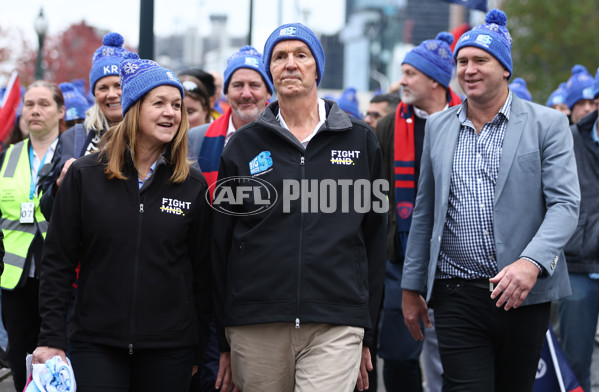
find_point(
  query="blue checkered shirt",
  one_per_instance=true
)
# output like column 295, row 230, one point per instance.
column 468, row 245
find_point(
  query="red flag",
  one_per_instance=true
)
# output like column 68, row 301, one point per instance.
column 8, row 106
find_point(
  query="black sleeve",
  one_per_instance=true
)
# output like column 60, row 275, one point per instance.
column 199, row 249
column 59, row 260
column 47, row 183
column 374, row 228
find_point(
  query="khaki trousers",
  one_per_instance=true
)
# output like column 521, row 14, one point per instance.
column 278, row 357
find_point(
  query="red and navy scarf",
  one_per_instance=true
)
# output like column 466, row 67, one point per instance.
column 404, row 157
column 212, row 148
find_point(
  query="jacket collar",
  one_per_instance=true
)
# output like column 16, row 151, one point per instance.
column 337, row 119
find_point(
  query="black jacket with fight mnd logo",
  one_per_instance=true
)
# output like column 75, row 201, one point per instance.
column 276, row 263
column 144, row 279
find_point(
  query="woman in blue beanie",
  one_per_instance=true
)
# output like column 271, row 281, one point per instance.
column 135, row 218
column 83, row 139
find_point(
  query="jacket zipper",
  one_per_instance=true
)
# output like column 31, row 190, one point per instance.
column 135, row 274
column 301, row 249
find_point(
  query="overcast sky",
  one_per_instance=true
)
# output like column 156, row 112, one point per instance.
column 172, row 16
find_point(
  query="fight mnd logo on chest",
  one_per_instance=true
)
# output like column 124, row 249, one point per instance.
column 174, row 206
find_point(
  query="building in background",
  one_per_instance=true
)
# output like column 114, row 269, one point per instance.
column 379, row 32
column 366, row 53
column 190, row 49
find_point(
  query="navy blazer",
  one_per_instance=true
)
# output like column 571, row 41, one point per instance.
column 537, row 197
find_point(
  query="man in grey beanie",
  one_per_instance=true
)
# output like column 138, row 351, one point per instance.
column 299, row 279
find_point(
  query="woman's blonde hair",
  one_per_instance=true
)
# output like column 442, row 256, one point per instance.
column 95, row 119
column 123, row 136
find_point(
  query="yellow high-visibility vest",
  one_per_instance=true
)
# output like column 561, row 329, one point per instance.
column 15, row 182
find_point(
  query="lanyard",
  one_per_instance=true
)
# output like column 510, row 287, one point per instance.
column 34, row 179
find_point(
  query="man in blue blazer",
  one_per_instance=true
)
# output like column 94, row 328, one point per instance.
column 498, row 199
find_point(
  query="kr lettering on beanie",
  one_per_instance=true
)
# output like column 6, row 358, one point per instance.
column 558, row 97
column 492, row 37
column 246, row 57
column 138, row 76
column 596, row 85
column 295, row 31
column 433, row 58
column 75, row 104
column 579, row 86
column 518, row 86
column 107, row 58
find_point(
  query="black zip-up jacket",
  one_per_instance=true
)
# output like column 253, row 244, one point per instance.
column 312, row 267
column 145, row 274
column 582, row 251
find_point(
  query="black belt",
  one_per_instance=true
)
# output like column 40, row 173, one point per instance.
column 457, row 282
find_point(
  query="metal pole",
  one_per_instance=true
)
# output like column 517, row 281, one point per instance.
column 146, row 29
column 39, row 71
column 41, row 27
column 251, row 24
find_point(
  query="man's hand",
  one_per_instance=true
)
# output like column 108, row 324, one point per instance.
column 514, row 282
column 42, row 353
column 224, row 378
column 66, row 166
column 365, row 367
column 414, row 309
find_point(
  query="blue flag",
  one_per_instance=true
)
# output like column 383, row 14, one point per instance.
column 480, row 5
column 554, row 373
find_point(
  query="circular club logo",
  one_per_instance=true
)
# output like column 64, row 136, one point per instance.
column 541, row 369
column 242, row 195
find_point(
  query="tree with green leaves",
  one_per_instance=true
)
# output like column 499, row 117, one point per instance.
column 549, row 38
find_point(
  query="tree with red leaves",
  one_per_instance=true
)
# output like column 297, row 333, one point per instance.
column 67, row 56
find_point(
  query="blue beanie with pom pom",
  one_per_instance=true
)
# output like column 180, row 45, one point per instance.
column 75, row 103
column 579, row 86
column 138, row 76
column 433, row 58
column 557, row 97
column 106, row 59
column 246, row 57
column 519, row 87
column 492, row 37
column 348, row 102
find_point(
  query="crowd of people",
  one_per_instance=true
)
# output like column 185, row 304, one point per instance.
column 158, row 237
